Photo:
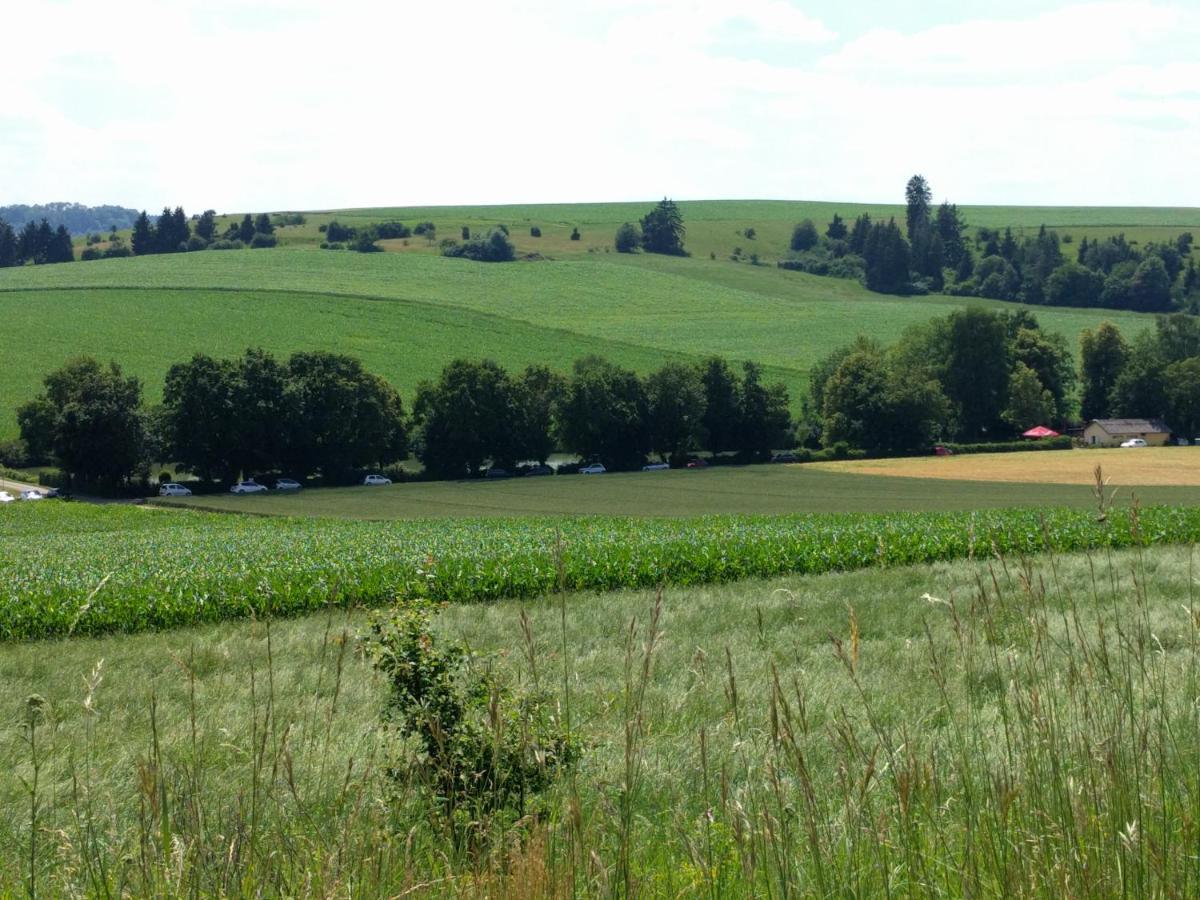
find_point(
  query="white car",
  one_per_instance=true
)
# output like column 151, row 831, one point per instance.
column 171, row 489
column 287, row 484
column 6, row 497
column 655, row 467
column 248, row 487
column 31, row 494
column 1134, row 442
column 593, row 469
column 377, row 479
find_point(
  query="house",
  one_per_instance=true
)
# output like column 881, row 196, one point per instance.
column 1111, row 432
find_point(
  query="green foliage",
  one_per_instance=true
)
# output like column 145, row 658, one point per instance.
column 1029, row 403
column 628, row 239
column 534, row 231
column 476, row 747
column 1183, row 396
column 604, row 415
column 663, row 229
column 89, row 418
column 1103, row 353
column 804, row 236
column 469, row 416
column 261, row 240
column 676, row 405
column 495, row 246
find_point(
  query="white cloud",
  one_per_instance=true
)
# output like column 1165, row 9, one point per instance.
column 307, row 104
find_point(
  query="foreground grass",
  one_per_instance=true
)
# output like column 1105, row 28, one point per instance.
column 988, row 728
column 747, row 490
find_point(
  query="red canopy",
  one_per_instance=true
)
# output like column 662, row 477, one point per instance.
column 1040, row 431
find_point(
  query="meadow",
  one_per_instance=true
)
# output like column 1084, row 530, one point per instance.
column 74, row 569
column 997, row 727
column 406, row 315
column 985, row 481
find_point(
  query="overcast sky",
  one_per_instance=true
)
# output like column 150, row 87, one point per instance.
column 292, row 104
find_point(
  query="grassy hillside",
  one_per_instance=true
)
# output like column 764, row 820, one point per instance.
column 406, row 315
column 717, row 226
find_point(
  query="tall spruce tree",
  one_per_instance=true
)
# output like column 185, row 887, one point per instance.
column 663, row 230
column 8, row 245
column 143, row 240
column 917, row 198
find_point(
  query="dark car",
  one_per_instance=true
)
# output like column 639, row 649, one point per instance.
column 697, row 464
column 497, row 472
column 788, row 457
column 538, row 470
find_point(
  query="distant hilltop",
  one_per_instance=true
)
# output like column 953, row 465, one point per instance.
column 77, row 218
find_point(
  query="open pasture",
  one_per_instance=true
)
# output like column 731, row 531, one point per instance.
column 407, row 315
column 1135, row 469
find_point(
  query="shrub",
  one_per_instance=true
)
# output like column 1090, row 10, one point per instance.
column 322, row 228
column 804, row 236
column 117, row 249
column 388, row 231
column 474, row 745
column 840, row 450
column 534, row 231
column 15, row 454
column 1062, row 442
column 491, row 247
column 502, row 227
column 575, row 235
column 466, row 233
column 750, row 234
column 195, row 242
column 819, row 261
column 226, row 245
column 365, row 243
column 333, row 245
column 424, row 228
column 261, row 240
column 339, row 232
column 628, row 239
column 90, row 253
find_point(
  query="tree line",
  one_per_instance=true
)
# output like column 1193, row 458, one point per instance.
column 934, row 252
column 36, row 243
column 977, row 375
column 322, row 413
column 174, row 232
column 973, row 375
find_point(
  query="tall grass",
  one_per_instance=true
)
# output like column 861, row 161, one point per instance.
column 1006, row 727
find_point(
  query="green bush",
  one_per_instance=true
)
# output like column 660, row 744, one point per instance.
column 628, row 239
column 534, row 231
column 491, row 247
column 1062, row 442
column 262, row 240
column 90, row 253
column 474, row 746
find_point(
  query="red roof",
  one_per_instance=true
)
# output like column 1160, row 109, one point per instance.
column 1040, row 431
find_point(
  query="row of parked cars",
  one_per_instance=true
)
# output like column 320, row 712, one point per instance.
column 250, row 486
column 31, row 494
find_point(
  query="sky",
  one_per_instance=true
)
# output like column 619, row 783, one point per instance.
column 313, row 104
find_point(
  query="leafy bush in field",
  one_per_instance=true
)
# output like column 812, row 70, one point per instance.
column 262, row 239
column 1062, row 442
column 494, row 246
column 534, row 231
column 86, row 569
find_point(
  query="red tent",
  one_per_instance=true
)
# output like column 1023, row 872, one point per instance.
column 1040, row 431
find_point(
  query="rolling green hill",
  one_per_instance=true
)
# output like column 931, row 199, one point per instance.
column 406, row 314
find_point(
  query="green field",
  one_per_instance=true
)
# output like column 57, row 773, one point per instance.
column 720, row 490
column 406, row 315
column 70, row 568
column 995, row 728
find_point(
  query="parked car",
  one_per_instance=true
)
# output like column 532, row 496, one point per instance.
column 171, row 489
column 377, row 479
column 6, row 497
column 788, row 457
column 539, row 470
column 654, row 467
column 940, row 450
column 697, row 464
column 1134, row 442
column 287, row 484
column 248, row 487
column 54, row 494
column 32, row 494
column 497, row 472
column 593, row 469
